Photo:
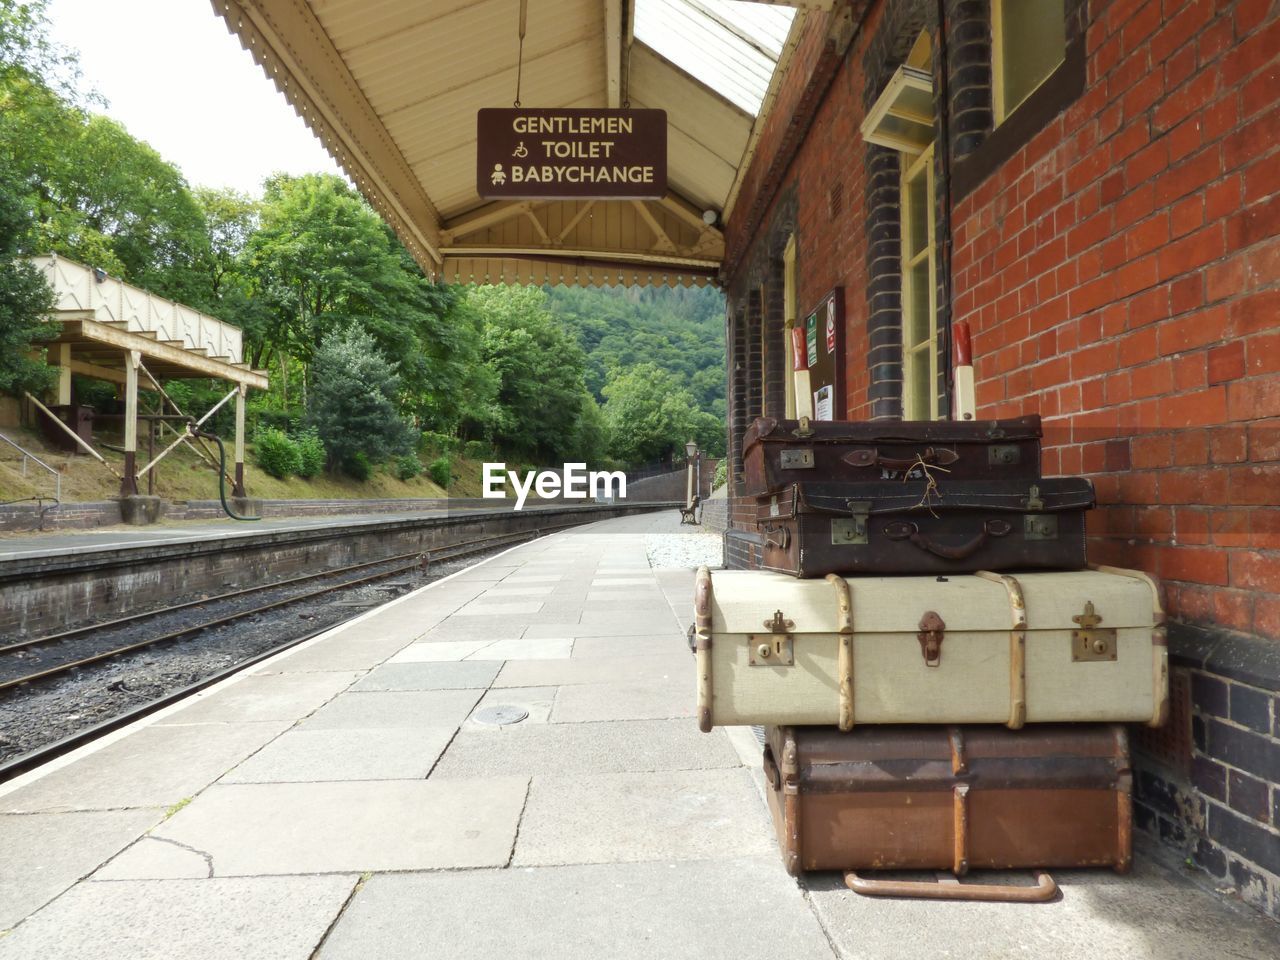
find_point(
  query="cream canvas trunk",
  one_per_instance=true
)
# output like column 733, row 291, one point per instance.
column 1084, row 646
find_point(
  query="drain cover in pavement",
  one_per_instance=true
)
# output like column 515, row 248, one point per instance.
column 500, row 716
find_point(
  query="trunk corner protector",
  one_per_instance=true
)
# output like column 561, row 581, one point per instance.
column 702, row 645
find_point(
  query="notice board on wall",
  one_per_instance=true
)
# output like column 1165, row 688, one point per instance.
column 824, row 337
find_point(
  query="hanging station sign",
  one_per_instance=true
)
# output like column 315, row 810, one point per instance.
column 569, row 154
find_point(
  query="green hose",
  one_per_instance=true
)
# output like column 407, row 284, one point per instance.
column 222, row 472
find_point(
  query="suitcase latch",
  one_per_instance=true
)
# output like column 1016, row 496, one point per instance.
column 803, row 429
column 1003, row 454
column 1091, row 643
column 932, row 632
column 801, row 459
column 774, row 649
column 1039, row 526
column 852, row 530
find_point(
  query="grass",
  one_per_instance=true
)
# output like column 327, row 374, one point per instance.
column 182, row 475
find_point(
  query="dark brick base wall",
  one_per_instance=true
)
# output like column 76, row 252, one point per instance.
column 1209, row 783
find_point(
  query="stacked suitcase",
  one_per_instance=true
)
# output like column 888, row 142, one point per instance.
column 942, row 678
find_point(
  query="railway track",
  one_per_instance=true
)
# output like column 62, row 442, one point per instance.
column 330, row 579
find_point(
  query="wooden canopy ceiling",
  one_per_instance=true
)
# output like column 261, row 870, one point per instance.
column 392, row 88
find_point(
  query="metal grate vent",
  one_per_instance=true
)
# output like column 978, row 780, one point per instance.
column 1170, row 745
column 835, row 201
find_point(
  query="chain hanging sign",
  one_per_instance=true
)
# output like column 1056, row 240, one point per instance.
column 569, row 154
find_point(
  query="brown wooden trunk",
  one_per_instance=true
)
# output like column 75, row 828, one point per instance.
column 950, row 798
column 776, row 453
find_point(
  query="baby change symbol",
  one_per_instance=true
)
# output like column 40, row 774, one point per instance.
column 498, row 177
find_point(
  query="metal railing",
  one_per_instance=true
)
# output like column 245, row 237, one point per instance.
column 28, row 455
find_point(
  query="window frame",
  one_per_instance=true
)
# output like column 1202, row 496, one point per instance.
column 1001, row 111
column 789, row 311
column 912, row 167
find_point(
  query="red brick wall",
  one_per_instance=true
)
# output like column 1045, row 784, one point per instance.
column 1122, row 277
column 831, row 251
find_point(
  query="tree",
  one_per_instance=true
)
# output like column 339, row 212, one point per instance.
column 353, row 401
column 25, row 301
column 539, row 370
column 320, row 261
column 649, row 416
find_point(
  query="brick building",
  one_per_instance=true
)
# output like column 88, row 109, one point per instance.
column 1095, row 188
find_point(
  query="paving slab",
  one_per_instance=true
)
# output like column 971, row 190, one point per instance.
column 43, row 854
column 429, row 676
column 1151, row 914
column 630, row 700
column 379, row 711
column 475, row 628
column 536, row 700
column 744, row 909
column 669, row 644
column 341, row 653
column 623, row 626
column 530, row 648
column 280, row 696
column 438, row 652
column 506, row 589
column 480, row 608
column 281, row 918
column 548, row 673
column 156, row 766
column 154, row 859
column 315, row 755
column 282, row 828
column 585, row 748
column 672, row 815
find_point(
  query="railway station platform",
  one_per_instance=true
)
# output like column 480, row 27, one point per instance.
column 360, row 796
column 32, row 545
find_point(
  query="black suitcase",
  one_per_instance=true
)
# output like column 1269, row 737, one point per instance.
column 908, row 527
column 776, row 453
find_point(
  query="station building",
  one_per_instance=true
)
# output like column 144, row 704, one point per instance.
column 1094, row 187
column 1091, row 185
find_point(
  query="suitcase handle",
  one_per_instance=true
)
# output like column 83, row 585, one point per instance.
column 1044, row 890
column 902, row 530
column 782, row 543
column 931, row 457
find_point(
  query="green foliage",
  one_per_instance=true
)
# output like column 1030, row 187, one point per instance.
column 353, row 405
column 25, row 299
column 649, row 416
column 539, row 371
column 277, row 454
column 433, row 442
column 357, row 467
column 681, row 330
column 195, row 397
column 311, row 454
column 441, row 472
column 476, row 450
column 408, row 466
column 721, row 476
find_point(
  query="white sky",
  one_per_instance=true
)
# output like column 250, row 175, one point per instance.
column 175, row 77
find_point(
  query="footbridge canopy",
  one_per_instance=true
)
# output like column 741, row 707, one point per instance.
column 393, row 87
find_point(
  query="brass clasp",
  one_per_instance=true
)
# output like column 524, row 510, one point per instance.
column 932, row 632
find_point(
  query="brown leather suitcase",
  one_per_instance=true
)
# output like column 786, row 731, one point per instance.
column 910, row 527
column 950, row 797
column 776, row 453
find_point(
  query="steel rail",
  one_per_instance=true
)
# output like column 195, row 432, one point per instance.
column 443, row 552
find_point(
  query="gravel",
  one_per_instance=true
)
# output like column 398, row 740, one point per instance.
column 684, row 550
